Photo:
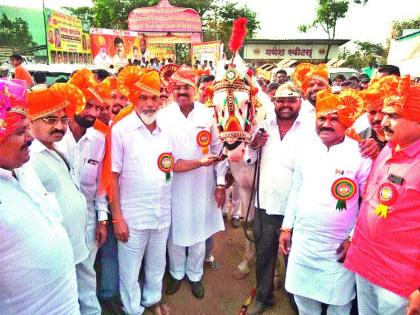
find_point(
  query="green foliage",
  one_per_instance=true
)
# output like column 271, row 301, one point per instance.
column 15, row 34
column 85, row 14
column 399, row 26
column 365, row 53
column 327, row 14
column 217, row 15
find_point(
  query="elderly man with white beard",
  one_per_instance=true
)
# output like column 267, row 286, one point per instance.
column 141, row 192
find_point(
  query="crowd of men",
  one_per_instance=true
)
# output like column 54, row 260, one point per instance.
column 117, row 163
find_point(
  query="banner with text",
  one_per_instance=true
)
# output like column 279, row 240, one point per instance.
column 118, row 47
column 210, row 51
column 66, row 41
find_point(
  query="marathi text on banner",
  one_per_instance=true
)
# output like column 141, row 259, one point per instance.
column 210, row 51
column 66, row 42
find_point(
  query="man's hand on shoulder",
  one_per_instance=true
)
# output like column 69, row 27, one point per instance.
column 369, row 148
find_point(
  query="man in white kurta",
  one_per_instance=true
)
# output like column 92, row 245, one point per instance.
column 37, row 274
column 284, row 130
column 321, row 229
column 86, row 153
column 141, row 206
column 56, row 172
column 195, row 214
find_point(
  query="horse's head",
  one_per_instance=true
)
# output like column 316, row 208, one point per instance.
column 233, row 98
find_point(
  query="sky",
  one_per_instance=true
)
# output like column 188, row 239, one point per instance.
column 280, row 18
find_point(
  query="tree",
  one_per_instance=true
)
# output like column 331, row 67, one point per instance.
column 15, row 34
column 365, row 54
column 327, row 14
column 85, row 14
column 217, row 15
column 399, row 26
column 218, row 24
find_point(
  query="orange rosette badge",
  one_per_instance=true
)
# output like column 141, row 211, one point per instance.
column 204, row 140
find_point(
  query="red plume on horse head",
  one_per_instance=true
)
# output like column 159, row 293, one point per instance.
column 239, row 31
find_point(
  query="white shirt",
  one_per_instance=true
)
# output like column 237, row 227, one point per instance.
column 145, row 194
column 88, row 154
column 195, row 216
column 318, row 227
column 37, row 272
column 55, row 176
column 277, row 163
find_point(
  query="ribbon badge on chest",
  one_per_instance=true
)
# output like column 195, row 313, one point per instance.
column 387, row 195
column 166, row 164
column 204, row 140
column 343, row 189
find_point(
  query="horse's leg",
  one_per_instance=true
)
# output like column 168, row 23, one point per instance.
column 245, row 190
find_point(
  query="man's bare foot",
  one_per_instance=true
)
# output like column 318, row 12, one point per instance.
column 160, row 309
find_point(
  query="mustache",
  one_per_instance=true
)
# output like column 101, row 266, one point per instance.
column 285, row 107
column 26, row 145
column 183, row 94
column 56, row 131
column 389, row 130
column 326, row 129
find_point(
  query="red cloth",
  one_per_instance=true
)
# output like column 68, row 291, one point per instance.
column 386, row 251
column 22, row 74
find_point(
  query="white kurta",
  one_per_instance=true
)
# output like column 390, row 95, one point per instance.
column 277, row 163
column 145, row 194
column 318, row 227
column 195, row 216
column 56, row 178
column 86, row 157
column 37, row 273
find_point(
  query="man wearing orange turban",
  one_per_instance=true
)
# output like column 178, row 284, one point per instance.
column 142, row 164
column 311, row 79
column 329, row 176
column 85, row 146
column 37, row 268
column 62, row 171
column 195, row 196
column 385, row 249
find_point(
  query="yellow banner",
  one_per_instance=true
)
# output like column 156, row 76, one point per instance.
column 66, row 41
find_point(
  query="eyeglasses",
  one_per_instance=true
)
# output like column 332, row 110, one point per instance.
column 54, row 120
column 282, row 100
column 180, row 87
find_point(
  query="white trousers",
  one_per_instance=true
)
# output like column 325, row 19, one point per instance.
column 86, row 285
column 308, row 306
column 150, row 244
column 181, row 264
column 374, row 300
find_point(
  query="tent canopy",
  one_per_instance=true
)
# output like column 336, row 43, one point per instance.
column 164, row 18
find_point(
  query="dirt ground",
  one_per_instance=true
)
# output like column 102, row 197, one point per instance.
column 224, row 295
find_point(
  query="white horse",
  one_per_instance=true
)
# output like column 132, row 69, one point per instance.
column 239, row 103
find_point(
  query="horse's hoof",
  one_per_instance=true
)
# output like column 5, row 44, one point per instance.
column 239, row 275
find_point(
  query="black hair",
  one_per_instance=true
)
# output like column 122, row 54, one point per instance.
column 16, row 57
column 273, row 86
column 101, row 74
column 354, row 79
column 389, row 70
column 205, row 78
column 281, row 71
column 40, row 77
column 117, row 40
column 340, row 77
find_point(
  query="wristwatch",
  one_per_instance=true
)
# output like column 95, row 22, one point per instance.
column 104, row 222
